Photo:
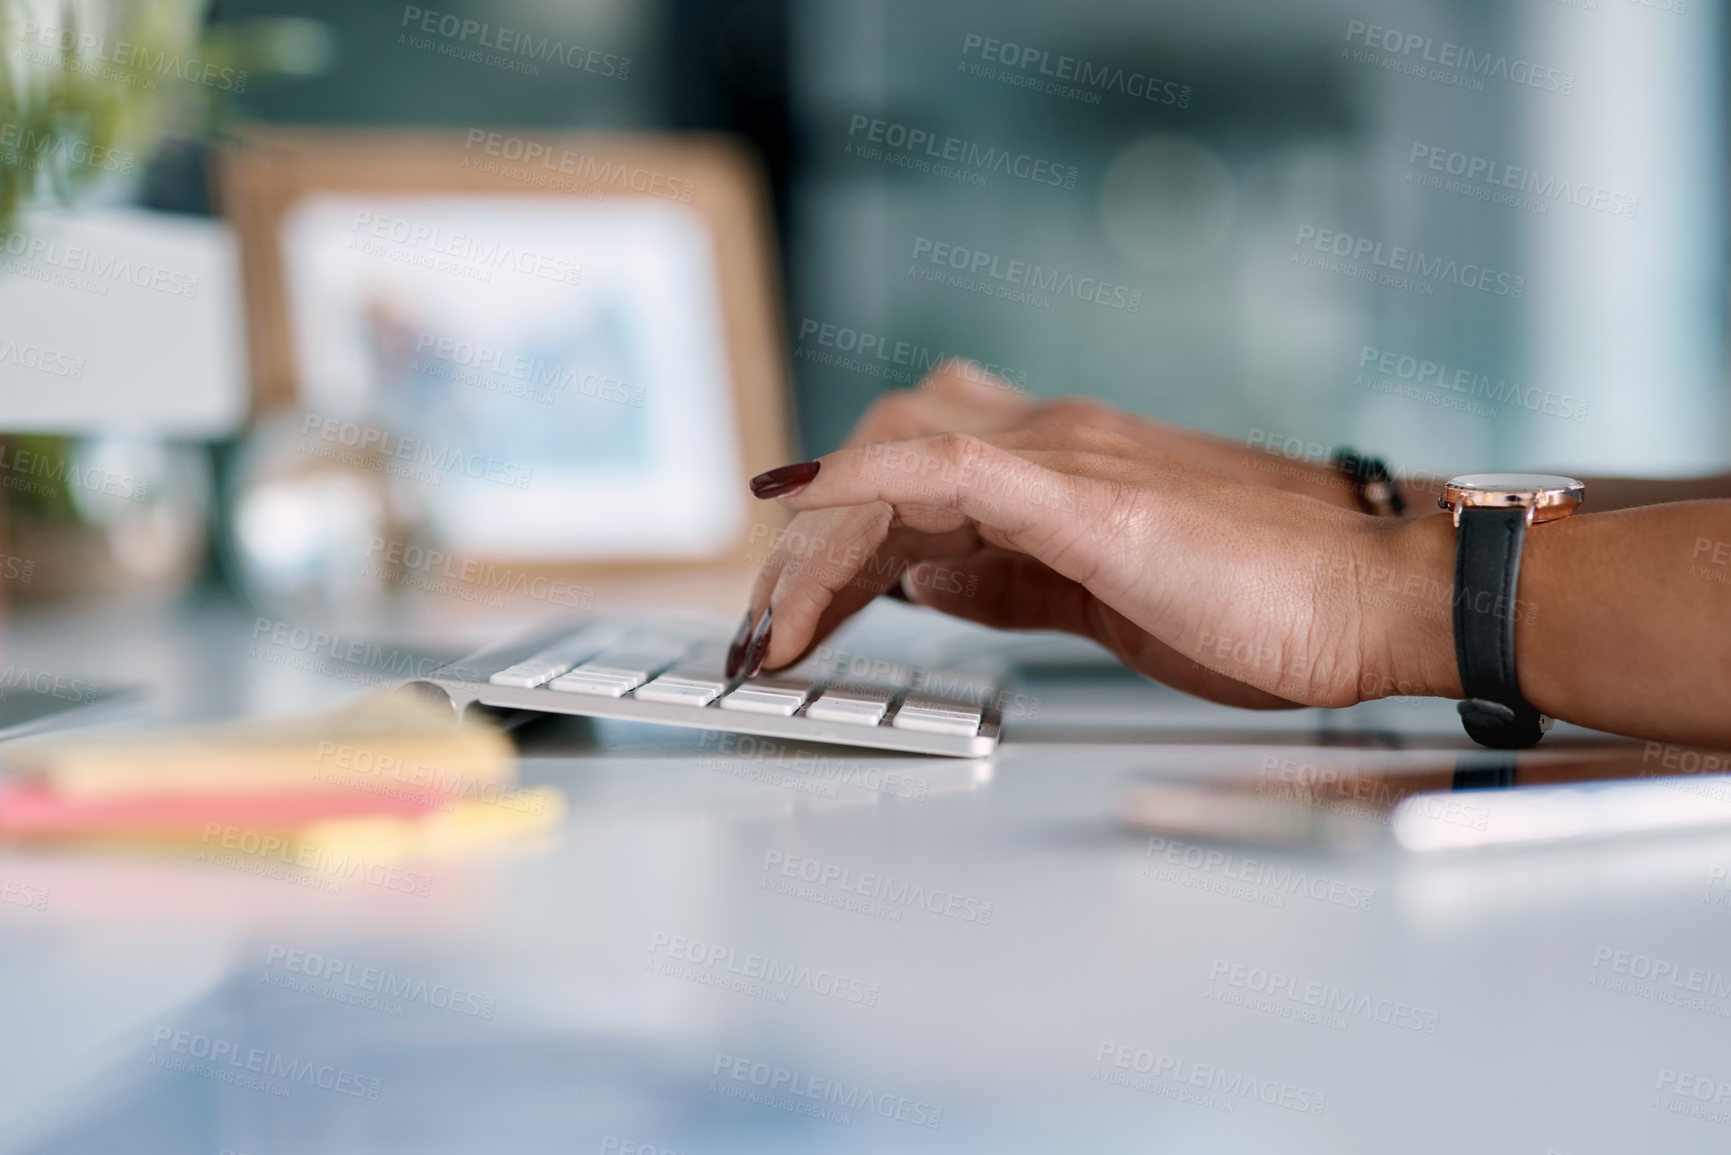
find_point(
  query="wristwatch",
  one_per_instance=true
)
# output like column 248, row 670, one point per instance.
column 1492, row 512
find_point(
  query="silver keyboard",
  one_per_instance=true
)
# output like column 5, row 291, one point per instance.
column 674, row 676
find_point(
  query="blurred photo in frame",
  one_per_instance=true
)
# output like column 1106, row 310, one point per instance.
column 559, row 351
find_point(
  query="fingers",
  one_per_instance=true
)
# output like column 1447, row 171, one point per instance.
column 1000, row 588
column 881, row 521
column 813, row 534
column 827, row 563
column 1075, row 512
column 968, row 381
column 802, row 576
column 941, row 483
column 956, row 396
column 830, row 564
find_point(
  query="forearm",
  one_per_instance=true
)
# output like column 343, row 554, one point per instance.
column 1623, row 619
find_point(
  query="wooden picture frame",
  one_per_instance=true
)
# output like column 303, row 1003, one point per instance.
column 264, row 172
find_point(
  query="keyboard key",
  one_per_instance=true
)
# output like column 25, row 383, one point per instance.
column 936, row 722
column 937, row 715
column 590, row 682
column 637, row 667
column 781, row 696
column 924, row 700
column 620, row 669
column 684, row 687
column 546, row 664
column 853, row 705
column 525, row 676
column 700, row 673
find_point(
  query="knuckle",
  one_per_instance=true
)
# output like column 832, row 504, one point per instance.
column 1086, row 424
column 1113, row 508
column 866, row 527
column 962, row 450
column 1077, row 409
column 1093, row 437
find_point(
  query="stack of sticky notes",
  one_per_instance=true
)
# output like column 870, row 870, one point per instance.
column 392, row 774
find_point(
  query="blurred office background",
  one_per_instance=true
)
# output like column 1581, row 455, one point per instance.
column 1559, row 165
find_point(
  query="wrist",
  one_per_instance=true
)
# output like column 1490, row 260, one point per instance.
column 1421, row 489
column 1406, row 601
column 1302, row 476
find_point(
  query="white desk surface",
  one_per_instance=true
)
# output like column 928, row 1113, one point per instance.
column 1480, row 1001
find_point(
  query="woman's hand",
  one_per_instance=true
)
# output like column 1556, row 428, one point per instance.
column 1227, row 589
column 961, row 397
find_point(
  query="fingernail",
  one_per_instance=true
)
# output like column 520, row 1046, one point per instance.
column 736, row 651
column 759, row 646
column 896, row 591
column 784, row 479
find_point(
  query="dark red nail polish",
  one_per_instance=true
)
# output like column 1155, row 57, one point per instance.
column 736, row 651
column 895, row 590
column 784, row 479
column 759, row 647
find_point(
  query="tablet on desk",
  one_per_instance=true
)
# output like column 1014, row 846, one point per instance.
column 1428, row 800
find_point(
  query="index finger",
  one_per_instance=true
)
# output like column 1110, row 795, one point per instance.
column 940, row 482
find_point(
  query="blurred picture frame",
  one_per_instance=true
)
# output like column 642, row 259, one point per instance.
column 574, row 339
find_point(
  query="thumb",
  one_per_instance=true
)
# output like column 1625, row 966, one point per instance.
column 1000, row 588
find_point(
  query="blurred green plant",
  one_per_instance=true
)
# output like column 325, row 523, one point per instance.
column 35, row 477
column 88, row 87
column 71, row 113
column 87, row 90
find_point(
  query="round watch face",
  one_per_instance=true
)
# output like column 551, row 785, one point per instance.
column 1544, row 496
column 1513, row 481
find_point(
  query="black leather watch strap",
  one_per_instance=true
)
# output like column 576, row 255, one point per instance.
column 1487, row 569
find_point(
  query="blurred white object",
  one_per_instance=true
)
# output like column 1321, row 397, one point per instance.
column 1539, row 814
column 303, row 526
column 121, row 321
